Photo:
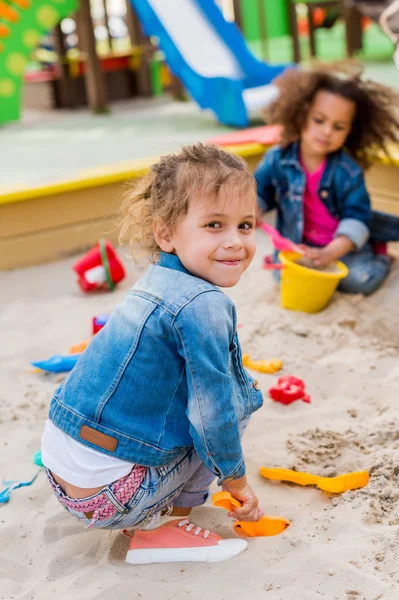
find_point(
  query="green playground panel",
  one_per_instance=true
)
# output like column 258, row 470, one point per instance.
column 377, row 47
column 277, row 21
column 33, row 22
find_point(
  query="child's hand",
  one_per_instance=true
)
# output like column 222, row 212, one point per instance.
column 241, row 491
column 321, row 257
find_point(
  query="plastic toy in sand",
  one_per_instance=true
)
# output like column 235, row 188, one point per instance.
column 332, row 485
column 262, row 366
column 79, row 348
column 100, row 268
column 308, row 289
column 269, row 264
column 10, row 486
column 279, row 241
column 289, row 389
column 59, row 363
column 37, row 458
column 267, row 526
column 62, row 363
column 98, row 323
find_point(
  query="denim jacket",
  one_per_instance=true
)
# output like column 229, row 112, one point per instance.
column 281, row 184
column 164, row 374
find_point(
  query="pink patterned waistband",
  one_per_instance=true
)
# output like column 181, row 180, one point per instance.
column 109, row 500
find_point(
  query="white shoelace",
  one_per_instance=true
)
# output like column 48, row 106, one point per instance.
column 153, row 522
column 190, row 526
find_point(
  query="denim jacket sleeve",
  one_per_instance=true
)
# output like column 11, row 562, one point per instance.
column 264, row 182
column 204, row 330
column 356, row 212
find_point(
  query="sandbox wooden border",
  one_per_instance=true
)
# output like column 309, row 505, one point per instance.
column 46, row 223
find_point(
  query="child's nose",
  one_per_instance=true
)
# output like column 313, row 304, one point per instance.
column 233, row 241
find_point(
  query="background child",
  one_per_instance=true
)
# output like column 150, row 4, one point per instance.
column 154, row 408
column 314, row 178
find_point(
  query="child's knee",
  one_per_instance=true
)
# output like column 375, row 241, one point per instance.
column 365, row 279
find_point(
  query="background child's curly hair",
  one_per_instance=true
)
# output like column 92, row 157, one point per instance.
column 165, row 191
column 376, row 119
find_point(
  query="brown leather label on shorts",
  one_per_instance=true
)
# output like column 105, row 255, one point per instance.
column 97, row 438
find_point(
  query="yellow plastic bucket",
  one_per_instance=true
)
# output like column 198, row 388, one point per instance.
column 306, row 289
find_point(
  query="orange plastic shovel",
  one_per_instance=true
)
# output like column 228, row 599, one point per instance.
column 333, row 485
column 267, row 526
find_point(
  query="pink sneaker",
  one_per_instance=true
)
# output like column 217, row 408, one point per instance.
column 180, row 541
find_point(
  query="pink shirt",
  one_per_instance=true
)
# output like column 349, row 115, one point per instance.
column 319, row 224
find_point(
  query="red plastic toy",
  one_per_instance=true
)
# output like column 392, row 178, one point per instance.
column 100, row 268
column 98, row 323
column 289, row 389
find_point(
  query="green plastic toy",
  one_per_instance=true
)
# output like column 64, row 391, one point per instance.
column 37, row 458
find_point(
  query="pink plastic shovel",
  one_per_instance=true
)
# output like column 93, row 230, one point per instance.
column 279, row 241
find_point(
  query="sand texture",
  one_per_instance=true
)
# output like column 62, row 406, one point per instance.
column 337, row 548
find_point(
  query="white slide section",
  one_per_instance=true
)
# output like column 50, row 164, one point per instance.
column 210, row 57
column 195, row 40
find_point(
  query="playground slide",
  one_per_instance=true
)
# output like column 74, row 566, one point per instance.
column 210, row 56
column 22, row 23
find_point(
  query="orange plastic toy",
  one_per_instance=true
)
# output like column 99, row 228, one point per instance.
column 262, row 366
column 267, row 526
column 332, row 485
column 78, row 348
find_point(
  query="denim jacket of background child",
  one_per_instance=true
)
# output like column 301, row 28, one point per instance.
column 164, row 374
column 281, row 184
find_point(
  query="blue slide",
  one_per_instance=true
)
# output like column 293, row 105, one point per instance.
column 210, row 56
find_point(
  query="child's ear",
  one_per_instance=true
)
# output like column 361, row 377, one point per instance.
column 162, row 235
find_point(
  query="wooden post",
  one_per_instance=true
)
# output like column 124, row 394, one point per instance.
column 139, row 39
column 353, row 28
column 294, row 32
column 131, row 23
column 63, row 97
column 94, row 77
column 311, row 30
column 263, row 29
column 106, row 19
column 237, row 13
column 78, row 31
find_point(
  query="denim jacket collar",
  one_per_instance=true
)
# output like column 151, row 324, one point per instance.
column 291, row 157
column 171, row 261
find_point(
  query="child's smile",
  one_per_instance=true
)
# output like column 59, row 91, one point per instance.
column 215, row 240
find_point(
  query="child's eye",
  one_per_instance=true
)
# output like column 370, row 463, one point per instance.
column 317, row 120
column 339, row 128
column 214, row 225
column 247, row 225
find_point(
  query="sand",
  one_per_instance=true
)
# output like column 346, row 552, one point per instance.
column 338, row 548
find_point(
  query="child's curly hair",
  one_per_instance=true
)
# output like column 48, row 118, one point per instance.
column 376, row 119
column 165, row 191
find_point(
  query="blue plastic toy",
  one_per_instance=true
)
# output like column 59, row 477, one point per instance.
column 59, row 363
column 13, row 485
